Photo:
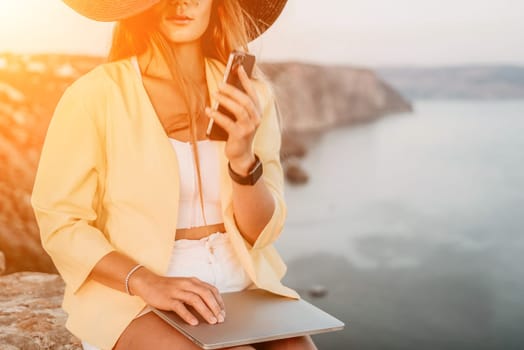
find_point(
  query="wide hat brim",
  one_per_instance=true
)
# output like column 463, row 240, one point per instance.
column 263, row 12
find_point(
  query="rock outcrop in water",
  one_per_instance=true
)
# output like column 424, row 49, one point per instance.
column 312, row 98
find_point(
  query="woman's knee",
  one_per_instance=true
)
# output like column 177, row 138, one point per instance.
column 150, row 332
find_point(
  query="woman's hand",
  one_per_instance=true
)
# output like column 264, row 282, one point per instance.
column 246, row 109
column 174, row 293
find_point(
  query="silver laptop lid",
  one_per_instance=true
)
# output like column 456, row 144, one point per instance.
column 254, row 316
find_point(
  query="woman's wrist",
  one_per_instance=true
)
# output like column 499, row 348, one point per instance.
column 242, row 166
column 139, row 281
column 128, row 276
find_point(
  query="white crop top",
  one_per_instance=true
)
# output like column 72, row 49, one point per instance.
column 190, row 210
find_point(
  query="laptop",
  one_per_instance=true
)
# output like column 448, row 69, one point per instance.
column 254, row 316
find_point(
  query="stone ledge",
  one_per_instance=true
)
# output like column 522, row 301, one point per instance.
column 31, row 317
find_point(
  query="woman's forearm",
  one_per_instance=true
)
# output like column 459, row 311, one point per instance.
column 253, row 207
column 166, row 293
column 112, row 271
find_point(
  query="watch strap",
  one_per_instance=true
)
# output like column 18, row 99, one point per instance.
column 251, row 178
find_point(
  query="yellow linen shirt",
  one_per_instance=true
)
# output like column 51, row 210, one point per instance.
column 108, row 180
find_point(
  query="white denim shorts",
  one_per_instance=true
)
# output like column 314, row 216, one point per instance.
column 210, row 259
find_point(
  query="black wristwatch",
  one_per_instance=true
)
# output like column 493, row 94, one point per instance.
column 251, row 178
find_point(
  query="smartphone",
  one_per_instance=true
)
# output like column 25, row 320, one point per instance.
column 236, row 59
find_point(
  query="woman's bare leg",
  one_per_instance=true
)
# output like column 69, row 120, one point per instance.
column 150, row 332
column 297, row 343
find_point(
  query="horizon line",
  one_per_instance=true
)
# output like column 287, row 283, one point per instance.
column 418, row 65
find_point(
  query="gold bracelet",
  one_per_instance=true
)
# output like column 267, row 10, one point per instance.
column 132, row 271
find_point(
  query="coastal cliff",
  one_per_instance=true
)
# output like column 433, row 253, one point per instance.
column 312, row 98
column 315, row 98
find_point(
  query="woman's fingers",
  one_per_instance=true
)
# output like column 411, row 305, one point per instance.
column 203, row 297
column 242, row 127
column 238, row 103
column 223, row 120
column 247, row 99
column 196, row 301
column 180, row 309
column 216, row 294
column 175, row 293
column 210, row 295
column 243, row 110
column 248, row 86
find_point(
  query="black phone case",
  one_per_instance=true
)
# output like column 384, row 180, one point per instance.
column 236, row 59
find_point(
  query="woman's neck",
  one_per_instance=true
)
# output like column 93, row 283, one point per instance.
column 189, row 56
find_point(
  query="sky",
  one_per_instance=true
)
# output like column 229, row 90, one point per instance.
column 358, row 32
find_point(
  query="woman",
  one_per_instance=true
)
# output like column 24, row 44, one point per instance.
column 135, row 206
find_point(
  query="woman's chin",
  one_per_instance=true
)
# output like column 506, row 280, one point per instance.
column 180, row 38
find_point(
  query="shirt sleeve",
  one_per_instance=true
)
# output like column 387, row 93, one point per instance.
column 68, row 186
column 267, row 144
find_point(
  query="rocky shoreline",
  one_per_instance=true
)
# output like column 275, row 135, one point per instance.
column 31, row 317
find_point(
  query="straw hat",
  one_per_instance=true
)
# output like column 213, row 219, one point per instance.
column 264, row 12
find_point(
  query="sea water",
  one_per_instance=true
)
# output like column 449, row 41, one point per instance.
column 414, row 225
